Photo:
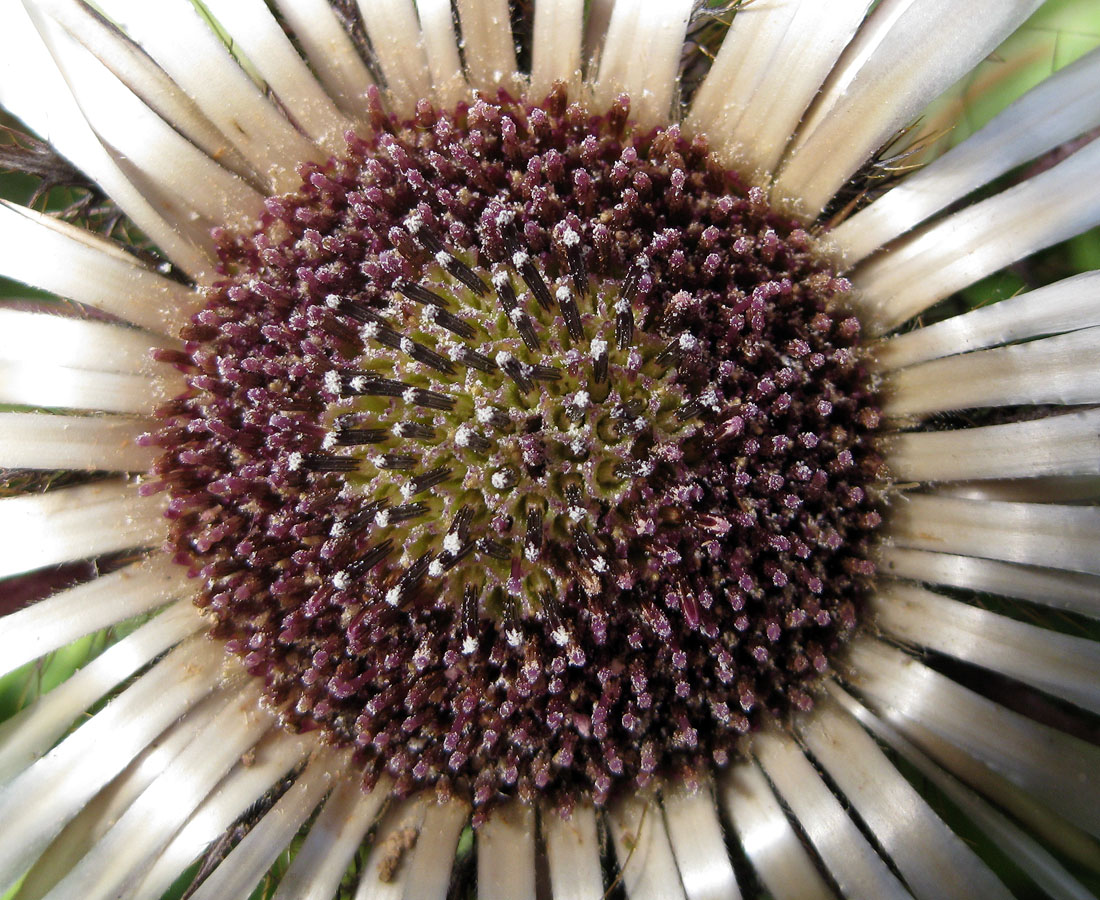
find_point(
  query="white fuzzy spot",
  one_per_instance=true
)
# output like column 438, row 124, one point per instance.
column 599, row 564
column 531, row 552
column 338, row 529
column 562, row 294
column 332, row 301
column 407, row 346
column 560, row 636
column 500, row 279
column 442, row 258
column 469, row 645
column 503, row 358
column 341, row 581
column 382, row 518
column 687, row 341
column 408, row 491
column 483, row 414
column 515, row 636
column 462, row 436
column 581, row 399
column 452, row 543
column 358, row 383
column 332, row 382
column 500, row 480
column 576, row 513
column 409, row 396
column 414, row 222
column 329, row 441
column 370, row 330
column 599, row 348
column 393, row 596
column 569, row 237
column 520, row 258
column 435, row 568
column 294, row 461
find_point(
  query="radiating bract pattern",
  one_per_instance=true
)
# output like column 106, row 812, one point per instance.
column 539, row 450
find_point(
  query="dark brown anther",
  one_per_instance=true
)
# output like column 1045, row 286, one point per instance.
column 478, row 361
column 570, row 313
column 430, row 479
column 322, row 462
column 419, row 294
column 353, row 437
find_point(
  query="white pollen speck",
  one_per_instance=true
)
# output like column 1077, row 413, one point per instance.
column 382, row 518
column 469, row 645
column 407, row 346
column 578, row 446
column 332, row 301
column 560, row 636
column 339, row 527
column 409, row 396
column 442, row 258
column 500, row 480
column 599, row 348
column 435, row 568
column 329, row 441
column 483, row 414
column 358, row 383
column 562, row 294
column 503, row 358
column 576, row 513
column 599, row 564
column 515, row 636
column 581, row 399
column 531, row 552
column 370, row 330
column 414, row 222
column 408, row 491
column 516, row 315
column 462, row 436
column 452, row 543
column 393, row 596
column 687, row 341
column 294, row 461
column 520, row 258
column 499, row 280
column 332, row 381
column 430, row 312
column 341, row 581
column 570, row 238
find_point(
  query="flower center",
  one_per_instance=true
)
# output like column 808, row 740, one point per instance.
column 525, row 452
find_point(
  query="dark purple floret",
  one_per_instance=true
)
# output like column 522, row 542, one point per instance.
column 526, row 453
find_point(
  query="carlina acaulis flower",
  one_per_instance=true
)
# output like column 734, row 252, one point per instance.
column 503, row 442
column 555, row 437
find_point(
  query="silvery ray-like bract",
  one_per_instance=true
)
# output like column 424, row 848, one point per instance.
column 537, row 450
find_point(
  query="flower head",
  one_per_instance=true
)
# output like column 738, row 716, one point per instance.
column 516, row 415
